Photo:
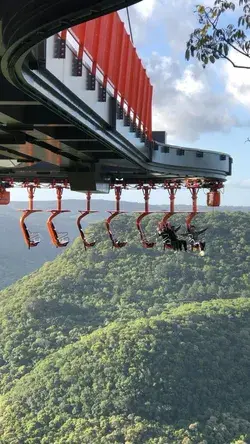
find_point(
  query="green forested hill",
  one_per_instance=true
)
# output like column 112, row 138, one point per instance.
column 107, row 346
column 139, row 382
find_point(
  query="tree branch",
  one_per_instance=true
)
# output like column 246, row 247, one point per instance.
column 235, row 66
column 226, row 57
column 225, row 39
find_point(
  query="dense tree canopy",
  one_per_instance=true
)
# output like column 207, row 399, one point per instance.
column 223, row 33
column 153, row 375
column 131, row 346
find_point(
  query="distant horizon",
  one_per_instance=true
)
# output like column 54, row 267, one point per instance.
column 128, row 201
column 233, row 193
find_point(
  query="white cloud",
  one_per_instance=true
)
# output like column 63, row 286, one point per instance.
column 188, row 85
column 145, row 9
column 184, row 103
column 174, row 18
column 245, row 184
column 238, row 79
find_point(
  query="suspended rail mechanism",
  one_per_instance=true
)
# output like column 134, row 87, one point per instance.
column 86, row 243
column 115, row 242
column 193, row 187
column 59, row 239
column 172, row 187
column 31, row 238
column 146, row 190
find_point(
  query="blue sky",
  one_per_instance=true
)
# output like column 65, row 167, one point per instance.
column 196, row 107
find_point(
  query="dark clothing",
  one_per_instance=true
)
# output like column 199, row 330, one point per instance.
column 195, row 234
column 197, row 245
column 170, row 238
column 182, row 243
column 195, row 242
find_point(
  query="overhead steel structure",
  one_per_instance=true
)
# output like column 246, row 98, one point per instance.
column 76, row 102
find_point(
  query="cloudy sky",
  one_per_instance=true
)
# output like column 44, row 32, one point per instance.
column 206, row 108
column 209, row 109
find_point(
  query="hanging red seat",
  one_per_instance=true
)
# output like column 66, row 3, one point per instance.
column 32, row 239
column 146, row 242
column 115, row 242
column 59, row 239
column 172, row 187
column 86, row 243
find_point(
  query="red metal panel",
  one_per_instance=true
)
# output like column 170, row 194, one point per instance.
column 114, row 45
column 115, row 64
column 80, row 32
column 108, row 45
column 106, row 32
column 124, row 65
column 150, row 105
column 90, row 37
column 114, row 48
column 149, row 114
column 64, row 34
column 96, row 43
column 137, row 93
column 147, row 118
column 141, row 93
column 129, row 76
column 145, row 104
column 135, row 84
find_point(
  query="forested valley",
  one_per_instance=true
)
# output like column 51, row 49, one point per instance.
column 12, row 243
column 131, row 346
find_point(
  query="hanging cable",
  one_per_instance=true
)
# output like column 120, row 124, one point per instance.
column 129, row 24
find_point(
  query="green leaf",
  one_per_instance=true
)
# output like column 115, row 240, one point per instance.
column 201, row 9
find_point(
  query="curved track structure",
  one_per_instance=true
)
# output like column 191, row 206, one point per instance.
column 53, row 128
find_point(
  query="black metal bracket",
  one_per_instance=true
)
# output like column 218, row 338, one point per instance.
column 126, row 120
column 90, row 82
column 59, row 47
column 102, row 93
column 138, row 132
column 119, row 112
column 76, row 66
column 132, row 126
column 112, row 112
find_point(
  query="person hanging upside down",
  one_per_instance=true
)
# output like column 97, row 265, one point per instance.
column 170, row 239
column 195, row 243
